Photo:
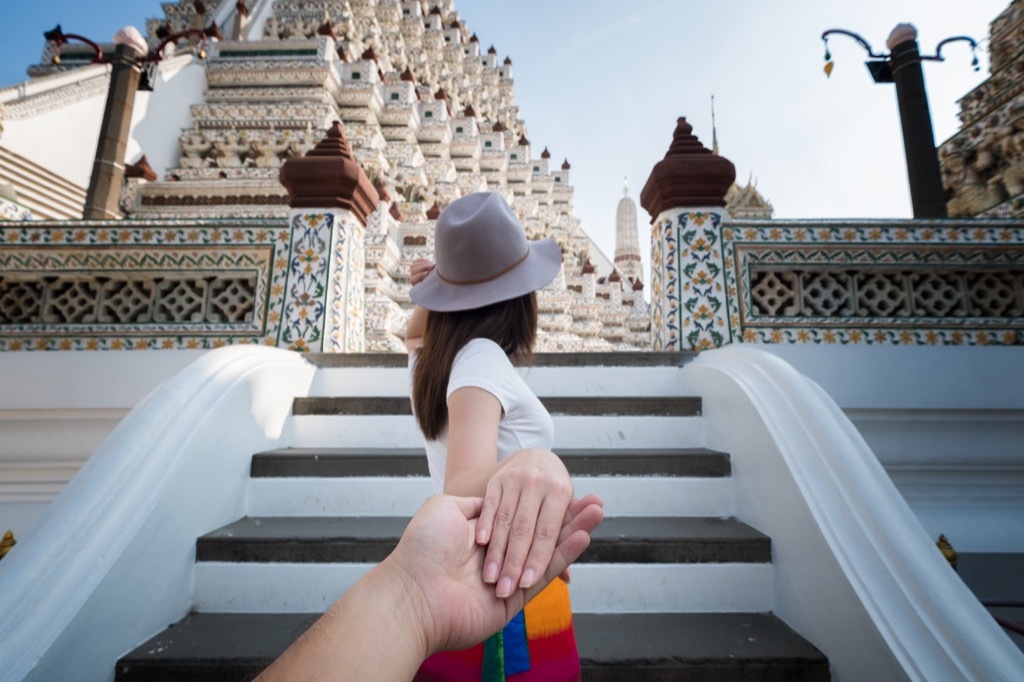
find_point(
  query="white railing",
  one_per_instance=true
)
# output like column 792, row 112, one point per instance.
column 112, row 560
column 855, row 572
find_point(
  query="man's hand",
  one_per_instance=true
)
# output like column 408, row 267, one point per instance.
column 440, row 563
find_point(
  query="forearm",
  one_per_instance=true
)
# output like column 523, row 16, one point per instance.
column 374, row 632
column 472, row 481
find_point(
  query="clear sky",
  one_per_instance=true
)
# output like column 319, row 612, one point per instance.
column 602, row 82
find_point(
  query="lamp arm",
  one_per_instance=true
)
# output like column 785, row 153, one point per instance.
column 850, row 34
column 59, row 38
column 937, row 57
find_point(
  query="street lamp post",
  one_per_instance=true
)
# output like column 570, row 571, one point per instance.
column 130, row 55
column 902, row 66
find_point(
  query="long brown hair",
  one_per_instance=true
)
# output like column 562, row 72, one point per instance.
column 510, row 324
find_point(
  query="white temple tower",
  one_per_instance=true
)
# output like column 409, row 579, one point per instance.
column 627, row 241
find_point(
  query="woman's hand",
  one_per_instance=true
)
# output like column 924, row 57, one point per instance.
column 416, row 326
column 526, row 504
column 419, row 269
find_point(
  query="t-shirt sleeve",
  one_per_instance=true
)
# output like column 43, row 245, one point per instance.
column 482, row 364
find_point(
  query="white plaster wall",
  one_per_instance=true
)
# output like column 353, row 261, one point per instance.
column 161, row 115
column 919, row 377
column 62, row 140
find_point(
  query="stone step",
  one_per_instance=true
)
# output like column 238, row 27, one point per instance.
column 374, row 482
column 633, row 540
column 571, row 432
column 645, row 359
column 233, row 587
column 402, row 496
column 276, row 565
column 376, row 462
column 543, row 381
column 650, row 647
column 676, row 406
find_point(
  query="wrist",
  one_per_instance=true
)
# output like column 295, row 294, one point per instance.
column 408, row 605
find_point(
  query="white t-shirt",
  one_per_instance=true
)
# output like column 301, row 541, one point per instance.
column 524, row 422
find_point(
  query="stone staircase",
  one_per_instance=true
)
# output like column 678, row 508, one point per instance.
column 672, row 587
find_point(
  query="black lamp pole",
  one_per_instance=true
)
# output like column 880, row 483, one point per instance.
column 902, row 66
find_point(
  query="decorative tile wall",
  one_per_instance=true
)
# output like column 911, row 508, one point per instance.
column 718, row 281
column 153, row 285
column 874, row 282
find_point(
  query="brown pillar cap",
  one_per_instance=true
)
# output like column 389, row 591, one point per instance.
column 689, row 176
column 328, row 176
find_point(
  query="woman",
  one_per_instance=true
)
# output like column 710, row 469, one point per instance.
column 486, row 433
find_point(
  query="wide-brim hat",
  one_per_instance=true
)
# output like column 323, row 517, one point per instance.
column 482, row 256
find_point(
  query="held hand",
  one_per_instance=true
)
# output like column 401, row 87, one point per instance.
column 440, row 563
column 419, row 269
column 524, row 508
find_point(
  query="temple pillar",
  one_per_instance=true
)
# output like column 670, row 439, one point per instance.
column 685, row 196
column 331, row 200
column 104, row 193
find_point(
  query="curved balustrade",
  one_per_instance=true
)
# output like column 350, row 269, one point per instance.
column 112, row 560
column 855, row 571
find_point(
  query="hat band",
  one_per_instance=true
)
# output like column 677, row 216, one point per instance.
column 484, row 279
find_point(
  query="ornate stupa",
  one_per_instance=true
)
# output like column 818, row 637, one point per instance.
column 428, row 113
column 627, row 240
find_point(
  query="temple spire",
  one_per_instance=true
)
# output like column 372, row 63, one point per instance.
column 627, row 240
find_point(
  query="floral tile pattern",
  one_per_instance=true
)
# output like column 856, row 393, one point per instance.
column 306, row 298
column 347, row 333
column 688, row 302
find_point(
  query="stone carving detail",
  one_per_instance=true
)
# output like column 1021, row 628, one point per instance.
column 983, row 164
column 112, row 298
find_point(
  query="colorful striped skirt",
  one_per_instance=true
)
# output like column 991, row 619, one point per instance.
column 538, row 645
